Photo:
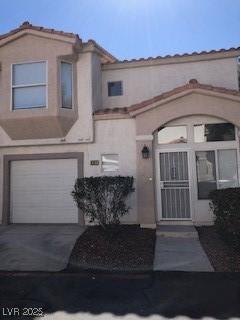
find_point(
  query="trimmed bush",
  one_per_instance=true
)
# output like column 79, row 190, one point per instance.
column 102, row 199
column 225, row 204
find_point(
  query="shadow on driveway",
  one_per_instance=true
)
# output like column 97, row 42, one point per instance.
column 85, row 296
column 37, row 247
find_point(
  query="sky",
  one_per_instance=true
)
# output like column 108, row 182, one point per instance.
column 134, row 28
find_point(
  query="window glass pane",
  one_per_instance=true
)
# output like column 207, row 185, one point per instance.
column 66, row 84
column 176, row 134
column 227, row 167
column 206, row 173
column 29, row 97
column 115, row 88
column 29, row 73
column 110, row 162
column 214, row 132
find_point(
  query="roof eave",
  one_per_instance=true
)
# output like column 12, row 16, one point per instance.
column 27, row 28
column 93, row 46
column 185, row 58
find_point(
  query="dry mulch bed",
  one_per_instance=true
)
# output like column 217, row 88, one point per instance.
column 223, row 257
column 130, row 249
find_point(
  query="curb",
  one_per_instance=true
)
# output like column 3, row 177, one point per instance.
column 90, row 274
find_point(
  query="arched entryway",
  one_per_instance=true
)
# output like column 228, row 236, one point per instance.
column 193, row 155
column 190, row 101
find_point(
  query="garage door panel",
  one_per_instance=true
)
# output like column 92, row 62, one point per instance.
column 41, row 191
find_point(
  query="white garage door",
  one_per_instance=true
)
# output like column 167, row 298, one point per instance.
column 41, row 191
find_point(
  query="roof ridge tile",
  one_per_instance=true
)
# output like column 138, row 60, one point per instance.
column 27, row 25
column 176, row 55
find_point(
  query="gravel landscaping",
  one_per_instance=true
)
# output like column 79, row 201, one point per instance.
column 222, row 256
column 130, row 249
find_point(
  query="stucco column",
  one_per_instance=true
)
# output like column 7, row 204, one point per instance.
column 145, row 185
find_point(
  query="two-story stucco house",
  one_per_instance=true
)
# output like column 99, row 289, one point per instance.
column 68, row 109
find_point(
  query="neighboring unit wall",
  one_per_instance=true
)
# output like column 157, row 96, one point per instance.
column 141, row 83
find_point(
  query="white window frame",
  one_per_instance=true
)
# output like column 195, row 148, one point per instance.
column 60, row 71
column 110, row 154
column 175, row 144
column 215, row 151
column 29, row 85
column 235, row 132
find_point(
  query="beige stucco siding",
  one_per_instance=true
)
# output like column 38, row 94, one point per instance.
column 116, row 136
column 96, row 82
column 194, row 103
column 142, row 83
column 30, row 48
column 82, row 129
column 57, row 122
column 47, row 122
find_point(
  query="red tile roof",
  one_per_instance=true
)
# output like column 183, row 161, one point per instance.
column 123, row 110
column 27, row 25
column 112, row 60
column 193, row 84
column 176, row 55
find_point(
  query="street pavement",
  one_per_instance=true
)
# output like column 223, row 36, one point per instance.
column 156, row 295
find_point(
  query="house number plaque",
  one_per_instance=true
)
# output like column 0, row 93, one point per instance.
column 94, row 162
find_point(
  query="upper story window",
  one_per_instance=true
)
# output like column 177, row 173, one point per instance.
column 66, row 84
column 174, row 134
column 115, row 88
column 214, row 132
column 29, row 85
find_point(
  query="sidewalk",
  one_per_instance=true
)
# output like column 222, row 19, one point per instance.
column 178, row 249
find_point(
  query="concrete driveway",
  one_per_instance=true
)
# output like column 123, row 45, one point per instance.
column 37, row 247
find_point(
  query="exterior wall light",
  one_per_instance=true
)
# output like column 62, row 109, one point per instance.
column 145, row 152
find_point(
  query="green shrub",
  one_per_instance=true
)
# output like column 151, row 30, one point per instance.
column 225, row 204
column 102, row 199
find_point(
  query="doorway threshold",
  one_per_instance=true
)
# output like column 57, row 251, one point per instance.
column 177, row 231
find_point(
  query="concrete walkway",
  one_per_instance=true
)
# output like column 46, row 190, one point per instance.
column 37, row 247
column 178, row 249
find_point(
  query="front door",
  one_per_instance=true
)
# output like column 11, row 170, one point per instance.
column 174, row 186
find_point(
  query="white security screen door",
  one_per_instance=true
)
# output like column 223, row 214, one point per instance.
column 174, row 185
